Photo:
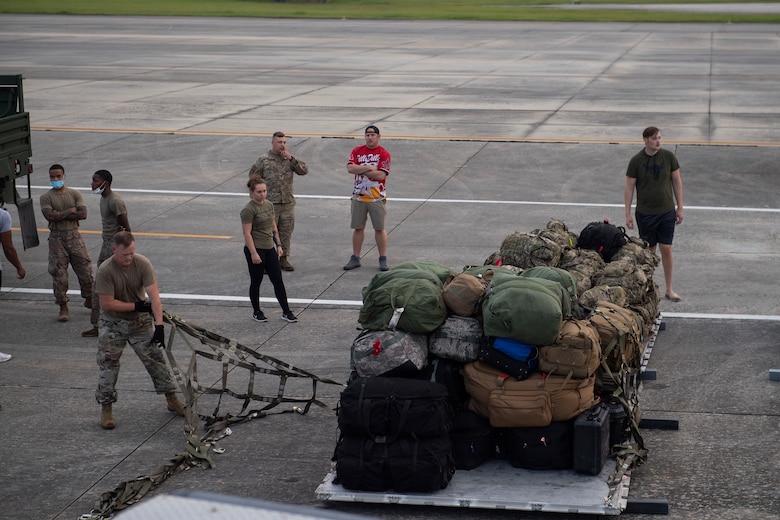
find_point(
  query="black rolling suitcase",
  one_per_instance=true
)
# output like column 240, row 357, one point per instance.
column 591, row 439
column 617, row 424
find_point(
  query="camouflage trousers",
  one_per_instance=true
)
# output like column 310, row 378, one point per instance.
column 114, row 334
column 105, row 253
column 285, row 223
column 67, row 247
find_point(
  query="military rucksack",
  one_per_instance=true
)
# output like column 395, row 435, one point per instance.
column 603, row 237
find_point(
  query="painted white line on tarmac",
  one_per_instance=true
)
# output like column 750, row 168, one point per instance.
column 705, row 316
column 418, row 200
column 358, row 303
column 201, row 297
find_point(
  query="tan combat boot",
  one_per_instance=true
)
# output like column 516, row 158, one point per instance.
column 106, row 417
column 63, row 316
column 285, row 264
column 174, row 405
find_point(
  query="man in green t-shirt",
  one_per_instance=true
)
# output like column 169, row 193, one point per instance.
column 655, row 175
column 113, row 213
column 123, row 281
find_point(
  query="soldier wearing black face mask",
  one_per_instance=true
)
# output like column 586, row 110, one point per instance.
column 113, row 213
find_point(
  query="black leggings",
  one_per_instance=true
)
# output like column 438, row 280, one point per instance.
column 270, row 265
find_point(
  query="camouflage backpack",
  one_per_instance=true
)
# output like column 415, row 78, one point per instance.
column 529, row 250
column 583, row 264
column 557, row 231
column 627, row 275
column 620, row 336
column 609, row 293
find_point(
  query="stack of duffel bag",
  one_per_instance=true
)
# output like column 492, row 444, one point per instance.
column 394, row 435
column 616, row 298
column 528, row 357
column 458, row 341
column 621, row 303
column 394, row 418
column 532, row 408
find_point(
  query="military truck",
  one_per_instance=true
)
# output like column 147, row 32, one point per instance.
column 15, row 153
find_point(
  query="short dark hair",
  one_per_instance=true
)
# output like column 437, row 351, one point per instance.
column 105, row 175
column 57, row 167
column 123, row 238
column 279, row 134
column 372, row 128
column 650, row 131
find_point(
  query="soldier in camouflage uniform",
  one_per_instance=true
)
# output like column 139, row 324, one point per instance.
column 113, row 212
column 121, row 283
column 63, row 208
column 277, row 168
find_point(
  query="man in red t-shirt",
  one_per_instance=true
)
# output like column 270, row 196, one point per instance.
column 370, row 164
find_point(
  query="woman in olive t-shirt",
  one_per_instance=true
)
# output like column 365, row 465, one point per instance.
column 262, row 249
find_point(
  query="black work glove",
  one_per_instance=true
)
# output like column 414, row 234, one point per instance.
column 143, row 306
column 159, row 336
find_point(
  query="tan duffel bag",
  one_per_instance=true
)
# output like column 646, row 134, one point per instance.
column 535, row 401
column 577, row 351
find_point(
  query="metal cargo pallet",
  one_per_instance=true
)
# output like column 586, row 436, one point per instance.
column 486, row 487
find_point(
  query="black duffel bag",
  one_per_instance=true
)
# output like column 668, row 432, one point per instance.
column 385, row 408
column 404, row 465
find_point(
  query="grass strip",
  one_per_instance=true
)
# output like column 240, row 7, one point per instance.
column 497, row 10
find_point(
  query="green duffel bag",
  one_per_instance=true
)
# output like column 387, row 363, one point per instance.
column 409, row 304
column 562, row 276
column 558, row 288
column 442, row 272
column 486, row 272
column 384, row 277
column 526, row 309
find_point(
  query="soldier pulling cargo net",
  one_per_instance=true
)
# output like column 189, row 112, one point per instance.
column 260, row 371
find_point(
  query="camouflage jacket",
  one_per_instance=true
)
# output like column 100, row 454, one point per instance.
column 278, row 175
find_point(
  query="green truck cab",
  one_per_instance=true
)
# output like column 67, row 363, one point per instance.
column 15, row 153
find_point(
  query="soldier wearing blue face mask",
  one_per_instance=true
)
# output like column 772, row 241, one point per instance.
column 64, row 208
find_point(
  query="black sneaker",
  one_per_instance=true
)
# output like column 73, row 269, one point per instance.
column 259, row 316
column 289, row 317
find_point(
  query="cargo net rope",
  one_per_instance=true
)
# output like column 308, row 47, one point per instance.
column 255, row 374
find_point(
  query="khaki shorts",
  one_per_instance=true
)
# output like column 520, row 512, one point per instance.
column 362, row 210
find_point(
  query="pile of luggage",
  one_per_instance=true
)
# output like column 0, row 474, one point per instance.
column 532, row 357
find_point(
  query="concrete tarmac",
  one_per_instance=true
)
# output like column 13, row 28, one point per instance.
column 493, row 127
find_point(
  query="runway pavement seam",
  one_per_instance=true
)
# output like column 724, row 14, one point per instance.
column 455, row 138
